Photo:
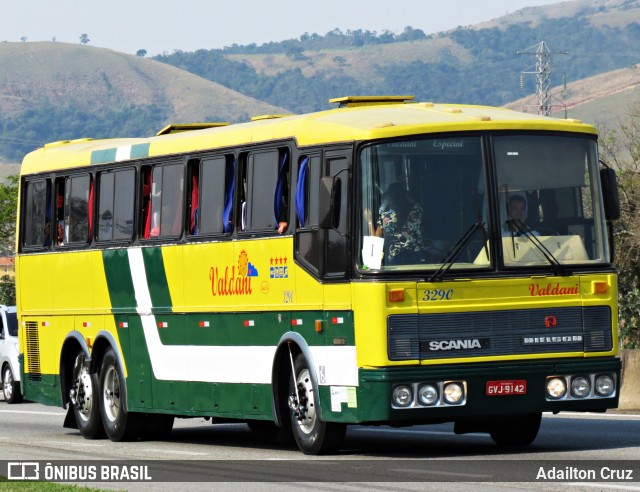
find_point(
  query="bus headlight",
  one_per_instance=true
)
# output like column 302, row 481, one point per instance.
column 604, row 385
column 402, row 396
column 580, row 387
column 453, row 393
column 556, row 388
column 428, row 394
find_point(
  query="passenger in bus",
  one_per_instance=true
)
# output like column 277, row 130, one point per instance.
column 60, row 233
column 47, row 234
column 516, row 216
column 400, row 223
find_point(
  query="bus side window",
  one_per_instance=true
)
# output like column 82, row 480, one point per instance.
column 37, row 230
column 147, row 180
column 306, row 204
column 116, row 192
column 281, row 196
column 163, row 186
column 265, row 178
column 73, row 208
column 59, row 222
column 215, row 196
column 193, row 196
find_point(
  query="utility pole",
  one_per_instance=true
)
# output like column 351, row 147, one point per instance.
column 543, row 75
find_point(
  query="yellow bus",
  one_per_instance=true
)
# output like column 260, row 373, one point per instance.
column 383, row 262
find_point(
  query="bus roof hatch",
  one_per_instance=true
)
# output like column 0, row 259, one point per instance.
column 352, row 101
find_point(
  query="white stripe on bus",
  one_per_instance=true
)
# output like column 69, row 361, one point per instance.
column 335, row 366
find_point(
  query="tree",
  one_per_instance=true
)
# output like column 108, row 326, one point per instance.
column 84, row 38
column 141, row 52
column 8, row 206
column 620, row 148
column 7, row 290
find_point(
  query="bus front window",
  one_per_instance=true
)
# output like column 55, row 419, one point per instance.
column 423, row 204
column 550, row 206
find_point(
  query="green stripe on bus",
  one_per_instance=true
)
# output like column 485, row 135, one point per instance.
column 139, row 150
column 157, row 280
column 102, row 156
column 118, row 274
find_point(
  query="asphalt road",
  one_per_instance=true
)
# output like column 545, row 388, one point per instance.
column 415, row 458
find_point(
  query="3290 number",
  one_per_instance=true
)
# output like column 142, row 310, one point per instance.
column 437, row 294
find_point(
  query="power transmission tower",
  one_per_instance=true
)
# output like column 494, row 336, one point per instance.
column 543, row 75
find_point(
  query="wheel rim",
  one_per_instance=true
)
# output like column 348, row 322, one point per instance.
column 111, row 394
column 81, row 394
column 7, row 384
column 307, row 419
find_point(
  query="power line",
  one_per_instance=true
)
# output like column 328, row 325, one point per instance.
column 542, row 73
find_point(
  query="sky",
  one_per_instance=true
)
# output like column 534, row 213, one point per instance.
column 163, row 26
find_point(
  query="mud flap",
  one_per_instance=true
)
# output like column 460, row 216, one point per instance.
column 70, row 419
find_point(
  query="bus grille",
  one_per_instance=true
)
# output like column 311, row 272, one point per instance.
column 493, row 333
column 33, row 351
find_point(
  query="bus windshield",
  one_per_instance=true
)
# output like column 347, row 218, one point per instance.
column 425, row 204
column 550, row 206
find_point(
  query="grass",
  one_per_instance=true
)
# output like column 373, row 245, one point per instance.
column 7, row 486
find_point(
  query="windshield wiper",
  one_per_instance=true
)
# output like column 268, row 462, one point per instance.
column 527, row 232
column 454, row 252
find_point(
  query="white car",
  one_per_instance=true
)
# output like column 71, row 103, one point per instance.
column 9, row 351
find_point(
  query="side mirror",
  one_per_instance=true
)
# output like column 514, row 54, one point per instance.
column 610, row 193
column 329, row 206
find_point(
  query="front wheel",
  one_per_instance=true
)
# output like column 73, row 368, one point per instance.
column 312, row 435
column 10, row 387
column 119, row 424
column 516, row 430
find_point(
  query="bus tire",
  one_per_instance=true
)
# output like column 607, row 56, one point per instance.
column 119, row 424
column 84, row 397
column 312, row 435
column 10, row 387
column 516, row 430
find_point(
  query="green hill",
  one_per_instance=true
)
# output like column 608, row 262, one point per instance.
column 474, row 64
column 604, row 100
column 51, row 91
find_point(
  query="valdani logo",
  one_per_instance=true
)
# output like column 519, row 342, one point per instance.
column 539, row 290
column 232, row 282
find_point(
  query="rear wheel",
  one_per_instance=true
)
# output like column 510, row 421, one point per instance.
column 83, row 395
column 312, row 435
column 10, row 387
column 119, row 424
column 516, row 430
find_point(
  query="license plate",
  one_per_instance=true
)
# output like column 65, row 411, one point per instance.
column 505, row 388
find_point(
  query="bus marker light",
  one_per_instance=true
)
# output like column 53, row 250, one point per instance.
column 249, row 322
column 45, row 323
column 86, row 324
column 204, row 324
column 123, row 324
column 396, row 295
column 600, row 287
column 318, row 324
column 580, row 387
column 296, row 322
column 163, row 324
column 337, row 321
column 604, row 385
